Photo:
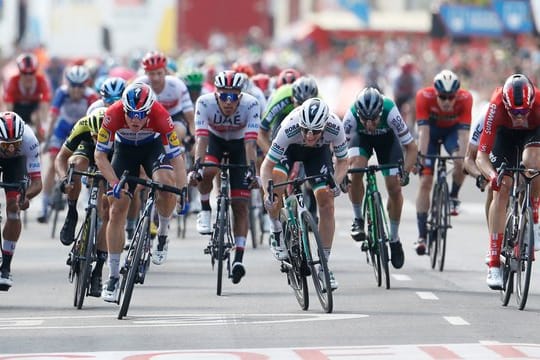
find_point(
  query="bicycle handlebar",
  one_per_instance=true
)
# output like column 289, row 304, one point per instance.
column 441, row 157
column 150, row 184
column 20, row 186
column 71, row 171
column 521, row 169
column 299, row 181
column 374, row 168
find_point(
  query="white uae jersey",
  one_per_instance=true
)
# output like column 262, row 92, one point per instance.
column 174, row 96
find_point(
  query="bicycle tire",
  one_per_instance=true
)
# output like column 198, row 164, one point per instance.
column 373, row 257
column 315, row 256
column 525, row 257
column 444, row 223
column 295, row 275
column 133, row 269
column 253, row 224
column 506, row 260
column 434, row 224
column 82, row 278
column 220, row 243
column 55, row 221
column 382, row 240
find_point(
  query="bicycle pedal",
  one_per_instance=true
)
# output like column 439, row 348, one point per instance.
column 208, row 250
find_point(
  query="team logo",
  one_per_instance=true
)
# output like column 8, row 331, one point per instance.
column 173, row 139
column 103, row 136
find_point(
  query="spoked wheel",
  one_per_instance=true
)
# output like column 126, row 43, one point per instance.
column 315, row 256
column 525, row 242
column 297, row 274
column 444, row 218
column 133, row 262
column 254, row 224
column 434, row 228
column 506, row 261
column 219, row 234
column 86, row 251
column 382, row 241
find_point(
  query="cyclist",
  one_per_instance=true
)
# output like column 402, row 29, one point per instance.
column 374, row 124
column 443, row 113
column 249, row 85
column 227, row 121
column 19, row 159
column 28, row 93
column 69, row 105
column 262, row 81
column 512, row 123
column 309, row 134
column 287, row 76
column 78, row 149
column 194, row 79
column 111, row 90
column 143, row 135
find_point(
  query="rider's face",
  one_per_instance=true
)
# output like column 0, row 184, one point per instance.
column 446, row 102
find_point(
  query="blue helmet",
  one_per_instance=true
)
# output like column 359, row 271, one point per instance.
column 112, row 89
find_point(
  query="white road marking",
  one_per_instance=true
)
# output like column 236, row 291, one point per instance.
column 401, row 277
column 426, row 295
column 456, row 320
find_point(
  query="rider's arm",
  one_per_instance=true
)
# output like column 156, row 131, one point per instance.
column 463, row 137
column 179, row 167
column 33, row 163
column 61, row 161
column 470, row 161
column 411, row 154
column 251, row 151
column 267, row 167
column 105, row 166
column 263, row 140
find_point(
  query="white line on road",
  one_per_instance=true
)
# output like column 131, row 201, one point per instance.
column 456, row 320
column 426, row 295
column 401, row 277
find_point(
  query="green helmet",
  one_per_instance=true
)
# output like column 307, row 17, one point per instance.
column 193, row 78
column 95, row 119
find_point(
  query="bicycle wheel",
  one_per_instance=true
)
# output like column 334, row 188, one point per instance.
column 434, row 225
column 373, row 257
column 253, row 222
column 315, row 256
column 506, row 260
column 297, row 273
column 55, row 221
column 382, row 240
column 129, row 277
column 87, row 244
column 443, row 224
column 525, row 244
column 220, row 231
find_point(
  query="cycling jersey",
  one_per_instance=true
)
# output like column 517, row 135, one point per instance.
column 93, row 106
column 158, row 125
column 81, row 133
column 497, row 117
column 15, row 93
column 29, row 150
column 289, row 134
column 71, row 110
column 429, row 112
column 242, row 124
column 174, row 96
column 391, row 120
column 279, row 106
column 477, row 125
column 253, row 90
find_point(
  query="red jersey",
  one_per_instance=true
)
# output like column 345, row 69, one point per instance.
column 158, row 124
column 428, row 110
column 14, row 92
column 497, row 116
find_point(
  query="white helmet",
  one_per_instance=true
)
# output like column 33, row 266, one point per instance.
column 77, row 74
column 314, row 114
column 229, row 79
column 446, row 82
column 304, row 88
column 11, row 126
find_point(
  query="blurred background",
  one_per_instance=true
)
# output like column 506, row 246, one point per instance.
column 346, row 44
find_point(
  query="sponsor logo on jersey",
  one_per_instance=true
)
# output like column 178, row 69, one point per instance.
column 292, row 130
column 490, row 117
column 103, row 136
column 173, row 139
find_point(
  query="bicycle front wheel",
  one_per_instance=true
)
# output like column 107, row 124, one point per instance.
column 297, row 273
column 315, row 256
column 86, row 248
column 433, row 226
column 132, row 264
column 382, row 241
column 219, row 241
column 253, row 223
column 525, row 243
column 443, row 224
column 506, row 260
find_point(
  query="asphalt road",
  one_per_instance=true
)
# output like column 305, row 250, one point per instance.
column 426, row 314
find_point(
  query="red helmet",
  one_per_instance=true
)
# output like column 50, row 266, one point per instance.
column 27, row 63
column 262, row 81
column 287, row 76
column 243, row 68
column 154, row 60
column 518, row 93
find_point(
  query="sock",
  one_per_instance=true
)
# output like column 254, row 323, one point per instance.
column 495, row 242
column 101, row 258
column 421, row 221
column 394, row 228
column 44, row 203
column 163, row 225
column 239, row 252
column 275, row 225
column 114, row 265
column 8, row 248
column 455, row 190
column 205, row 202
column 357, row 209
column 326, row 252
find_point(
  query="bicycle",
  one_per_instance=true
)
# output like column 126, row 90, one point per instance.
column 83, row 253
column 57, row 203
column 304, row 245
column 439, row 212
column 256, row 218
column 221, row 240
column 377, row 239
column 517, row 252
column 138, row 256
column 21, row 187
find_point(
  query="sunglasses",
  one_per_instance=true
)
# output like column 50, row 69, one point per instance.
column 232, row 97
column 314, row 132
column 136, row 115
column 10, row 145
column 77, row 85
column 518, row 112
column 447, row 97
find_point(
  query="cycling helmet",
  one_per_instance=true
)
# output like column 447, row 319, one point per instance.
column 11, row 126
column 229, row 79
column 304, row 88
column 262, row 81
column 171, row 65
column 193, row 78
column 153, row 60
column 27, row 63
column 244, row 68
column 138, row 99
column 446, row 82
column 111, row 89
column 314, row 114
column 287, row 76
column 95, row 119
column 77, row 74
column 518, row 93
column 369, row 104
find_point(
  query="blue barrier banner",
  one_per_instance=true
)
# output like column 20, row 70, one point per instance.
column 463, row 20
column 360, row 8
column 515, row 15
